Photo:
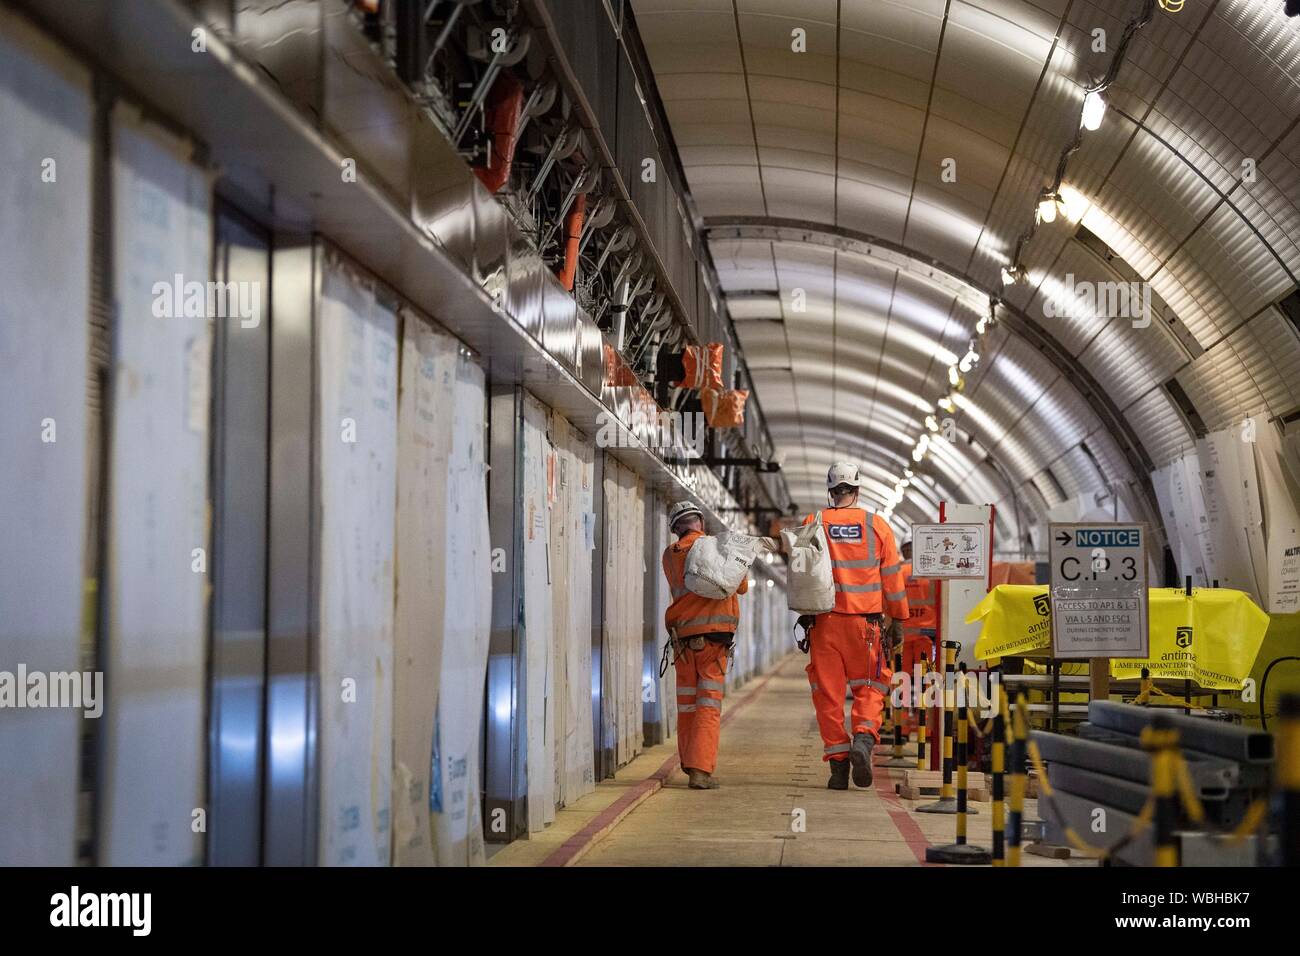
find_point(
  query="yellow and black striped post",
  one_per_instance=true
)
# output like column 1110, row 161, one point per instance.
column 921, row 718
column 1019, row 734
column 947, row 802
column 1288, row 776
column 960, row 851
column 898, row 715
column 1161, row 741
column 999, row 758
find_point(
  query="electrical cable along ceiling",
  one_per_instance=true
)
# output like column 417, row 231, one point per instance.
column 869, row 173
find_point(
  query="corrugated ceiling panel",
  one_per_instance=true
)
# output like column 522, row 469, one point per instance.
column 1228, row 272
column 1267, row 344
column 1159, row 427
column 1280, row 341
column 1220, row 387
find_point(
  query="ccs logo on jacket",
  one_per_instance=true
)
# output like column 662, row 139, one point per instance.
column 844, row 532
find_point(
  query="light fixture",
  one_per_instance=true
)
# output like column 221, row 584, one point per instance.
column 1094, row 108
column 931, row 423
column 946, row 404
column 907, row 472
column 1074, row 203
column 953, row 377
column 1047, row 208
column 770, row 582
column 769, row 557
column 1010, row 276
column 980, row 326
column 917, row 454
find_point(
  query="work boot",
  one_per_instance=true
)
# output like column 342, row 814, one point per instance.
column 839, row 775
column 860, row 757
column 700, row 780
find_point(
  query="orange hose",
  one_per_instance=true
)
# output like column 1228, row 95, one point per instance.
column 505, row 107
column 572, row 232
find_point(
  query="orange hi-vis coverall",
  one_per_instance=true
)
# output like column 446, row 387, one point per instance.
column 701, row 672
column 920, row 601
column 844, row 646
column 918, row 646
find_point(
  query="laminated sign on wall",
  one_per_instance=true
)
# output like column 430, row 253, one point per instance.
column 357, row 474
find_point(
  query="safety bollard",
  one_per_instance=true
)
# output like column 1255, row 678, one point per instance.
column 1288, row 776
column 1016, row 814
column 921, row 720
column 960, row 851
column 897, row 715
column 999, row 758
column 1161, row 740
column 947, row 802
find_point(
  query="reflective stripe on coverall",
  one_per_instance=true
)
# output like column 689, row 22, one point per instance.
column 845, row 650
column 701, row 678
column 844, row 647
column 691, row 614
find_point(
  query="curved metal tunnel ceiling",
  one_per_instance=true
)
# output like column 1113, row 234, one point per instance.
column 851, row 135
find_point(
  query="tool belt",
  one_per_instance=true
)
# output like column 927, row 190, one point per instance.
column 680, row 645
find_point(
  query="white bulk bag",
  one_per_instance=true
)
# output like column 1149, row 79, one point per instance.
column 715, row 566
column 810, row 587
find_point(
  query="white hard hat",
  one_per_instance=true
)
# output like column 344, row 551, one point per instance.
column 843, row 473
column 681, row 510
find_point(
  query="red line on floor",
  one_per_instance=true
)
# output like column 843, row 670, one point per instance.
column 907, row 828
column 571, row 849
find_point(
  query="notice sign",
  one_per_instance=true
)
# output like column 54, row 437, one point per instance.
column 950, row 550
column 1099, row 590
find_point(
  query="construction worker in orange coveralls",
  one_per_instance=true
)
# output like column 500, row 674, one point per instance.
column 919, row 628
column 702, row 630
column 845, row 644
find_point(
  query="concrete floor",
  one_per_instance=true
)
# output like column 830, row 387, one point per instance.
column 773, row 779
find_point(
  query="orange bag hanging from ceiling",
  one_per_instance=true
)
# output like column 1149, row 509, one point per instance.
column 724, row 409
column 702, row 365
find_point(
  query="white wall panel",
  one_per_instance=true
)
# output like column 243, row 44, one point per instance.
column 1232, row 508
column 572, row 541
column 45, row 111
column 157, row 629
column 466, row 625
column 424, row 437
column 1282, row 522
column 625, row 570
column 539, row 627
column 357, row 447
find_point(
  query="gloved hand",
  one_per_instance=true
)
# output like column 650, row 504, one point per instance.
column 806, row 621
